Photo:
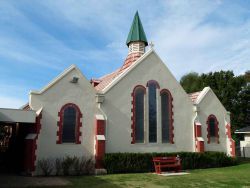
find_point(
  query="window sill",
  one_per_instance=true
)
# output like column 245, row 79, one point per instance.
column 68, row 144
column 154, row 144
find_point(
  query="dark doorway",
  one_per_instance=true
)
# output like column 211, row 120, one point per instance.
column 12, row 146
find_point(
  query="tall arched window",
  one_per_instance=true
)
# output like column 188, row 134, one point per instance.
column 166, row 117
column 212, row 129
column 152, row 109
column 138, row 114
column 69, row 124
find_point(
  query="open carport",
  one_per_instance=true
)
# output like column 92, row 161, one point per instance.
column 16, row 126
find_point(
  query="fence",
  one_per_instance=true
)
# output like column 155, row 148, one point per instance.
column 243, row 152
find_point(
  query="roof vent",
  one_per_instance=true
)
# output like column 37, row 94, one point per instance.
column 74, row 80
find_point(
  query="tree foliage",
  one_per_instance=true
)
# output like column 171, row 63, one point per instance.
column 191, row 82
column 233, row 92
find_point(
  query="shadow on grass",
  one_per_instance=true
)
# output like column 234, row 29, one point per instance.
column 92, row 181
column 16, row 181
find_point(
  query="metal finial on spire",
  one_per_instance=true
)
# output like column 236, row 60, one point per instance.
column 151, row 44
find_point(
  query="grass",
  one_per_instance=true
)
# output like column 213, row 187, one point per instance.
column 236, row 176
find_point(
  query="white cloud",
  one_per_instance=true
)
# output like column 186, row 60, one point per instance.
column 188, row 41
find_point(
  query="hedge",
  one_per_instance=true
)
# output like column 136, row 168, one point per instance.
column 142, row 162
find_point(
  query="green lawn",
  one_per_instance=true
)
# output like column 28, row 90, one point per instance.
column 236, row 176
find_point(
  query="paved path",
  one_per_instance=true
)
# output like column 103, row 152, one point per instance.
column 7, row 181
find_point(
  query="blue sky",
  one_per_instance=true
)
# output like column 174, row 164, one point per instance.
column 39, row 39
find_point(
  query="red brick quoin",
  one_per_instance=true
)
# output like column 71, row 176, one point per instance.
column 31, row 146
column 199, row 145
column 232, row 142
column 100, row 144
column 78, row 123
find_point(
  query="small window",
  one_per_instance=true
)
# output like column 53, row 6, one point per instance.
column 165, row 116
column 152, row 110
column 213, row 130
column 138, row 115
column 69, row 124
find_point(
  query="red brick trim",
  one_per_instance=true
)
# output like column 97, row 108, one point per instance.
column 33, row 143
column 133, row 111
column 216, row 128
column 195, row 137
column 171, row 128
column 78, row 123
column 232, row 142
column 155, row 82
column 99, row 144
column 199, row 145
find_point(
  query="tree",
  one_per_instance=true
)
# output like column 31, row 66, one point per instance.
column 191, row 82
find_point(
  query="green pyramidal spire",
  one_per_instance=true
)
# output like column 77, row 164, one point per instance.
column 136, row 32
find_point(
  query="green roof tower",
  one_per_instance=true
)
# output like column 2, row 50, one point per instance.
column 136, row 42
column 136, row 33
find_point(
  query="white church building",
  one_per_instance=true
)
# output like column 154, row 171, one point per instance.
column 140, row 107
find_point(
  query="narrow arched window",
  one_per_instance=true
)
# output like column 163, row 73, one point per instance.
column 166, row 117
column 138, row 114
column 152, row 110
column 213, row 129
column 69, row 124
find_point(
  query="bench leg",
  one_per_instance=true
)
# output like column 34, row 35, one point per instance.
column 178, row 169
column 159, row 170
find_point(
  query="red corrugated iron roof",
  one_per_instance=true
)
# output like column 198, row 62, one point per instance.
column 107, row 79
column 194, row 96
column 26, row 107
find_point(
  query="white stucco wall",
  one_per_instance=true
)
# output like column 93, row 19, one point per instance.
column 247, row 137
column 210, row 104
column 117, row 106
column 83, row 95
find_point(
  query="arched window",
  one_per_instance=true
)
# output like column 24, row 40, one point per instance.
column 138, row 114
column 166, row 116
column 212, row 129
column 69, row 124
column 152, row 109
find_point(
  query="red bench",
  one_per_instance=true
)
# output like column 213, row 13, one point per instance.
column 167, row 162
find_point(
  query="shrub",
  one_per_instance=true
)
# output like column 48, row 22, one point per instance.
column 89, row 166
column 74, row 166
column 83, row 166
column 142, row 162
column 46, row 165
column 67, row 165
column 58, row 166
